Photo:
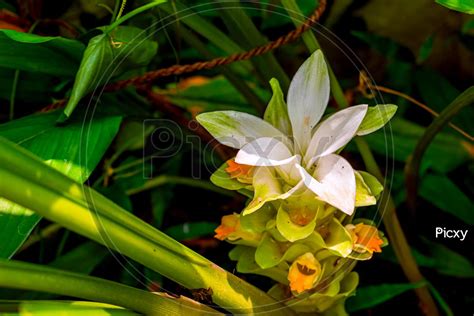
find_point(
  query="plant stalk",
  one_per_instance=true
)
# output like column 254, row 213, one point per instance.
column 27, row 276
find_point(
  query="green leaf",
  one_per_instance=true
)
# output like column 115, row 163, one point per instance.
column 82, row 259
column 440, row 191
column 370, row 296
column 61, row 147
column 445, row 153
column 465, row 6
column 40, row 54
column 277, row 111
column 107, row 56
column 376, row 117
column 190, row 230
column 425, row 49
column 31, row 87
column 70, row 308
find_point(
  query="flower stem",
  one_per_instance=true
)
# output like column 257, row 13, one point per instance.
column 27, row 276
column 131, row 14
column 390, row 219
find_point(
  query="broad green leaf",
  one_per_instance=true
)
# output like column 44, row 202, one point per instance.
column 109, row 55
column 376, row 117
column 465, row 6
column 63, row 148
column 40, row 54
column 445, row 153
column 277, row 111
column 290, row 230
column 370, row 296
column 31, row 87
column 190, row 230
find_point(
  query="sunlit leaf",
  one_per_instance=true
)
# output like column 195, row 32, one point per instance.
column 376, row 117
column 63, row 148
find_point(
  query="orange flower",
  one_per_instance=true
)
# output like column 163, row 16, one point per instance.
column 304, row 272
column 229, row 224
column 365, row 238
column 239, row 171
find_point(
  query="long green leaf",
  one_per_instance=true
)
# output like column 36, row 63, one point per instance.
column 70, row 308
column 63, row 148
column 465, row 6
column 50, row 55
column 66, row 202
column 20, row 275
column 369, row 296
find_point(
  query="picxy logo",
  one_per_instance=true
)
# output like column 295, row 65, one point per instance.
column 451, row 233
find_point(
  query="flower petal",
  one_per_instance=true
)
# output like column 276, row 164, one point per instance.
column 308, row 97
column 277, row 111
column 235, row 129
column 333, row 182
column 265, row 151
column 335, row 132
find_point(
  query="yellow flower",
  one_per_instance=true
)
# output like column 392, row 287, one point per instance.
column 239, row 171
column 303, row 273
column 229, row 224
column 365, row 238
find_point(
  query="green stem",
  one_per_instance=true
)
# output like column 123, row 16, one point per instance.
column 167, row 179
column 388, row 213
column 27, row 276
column 60, row 307
column 86, row 212
column 412, row 167
column 133, row 13
column 16, row 76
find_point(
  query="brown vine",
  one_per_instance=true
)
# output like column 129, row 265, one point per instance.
column 150, row 76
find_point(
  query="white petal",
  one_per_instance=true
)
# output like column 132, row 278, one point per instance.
column 308, row 97
column 335, row 132
column 235, row 129
column 333, row 182
column 265, row 151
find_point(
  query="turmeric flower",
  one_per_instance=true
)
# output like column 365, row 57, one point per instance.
column 239, row 171
column 304, row 272
column 365, row 238
column 293, row 143
column 230, row 230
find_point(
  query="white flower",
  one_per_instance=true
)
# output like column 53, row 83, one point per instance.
column 309, row 158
